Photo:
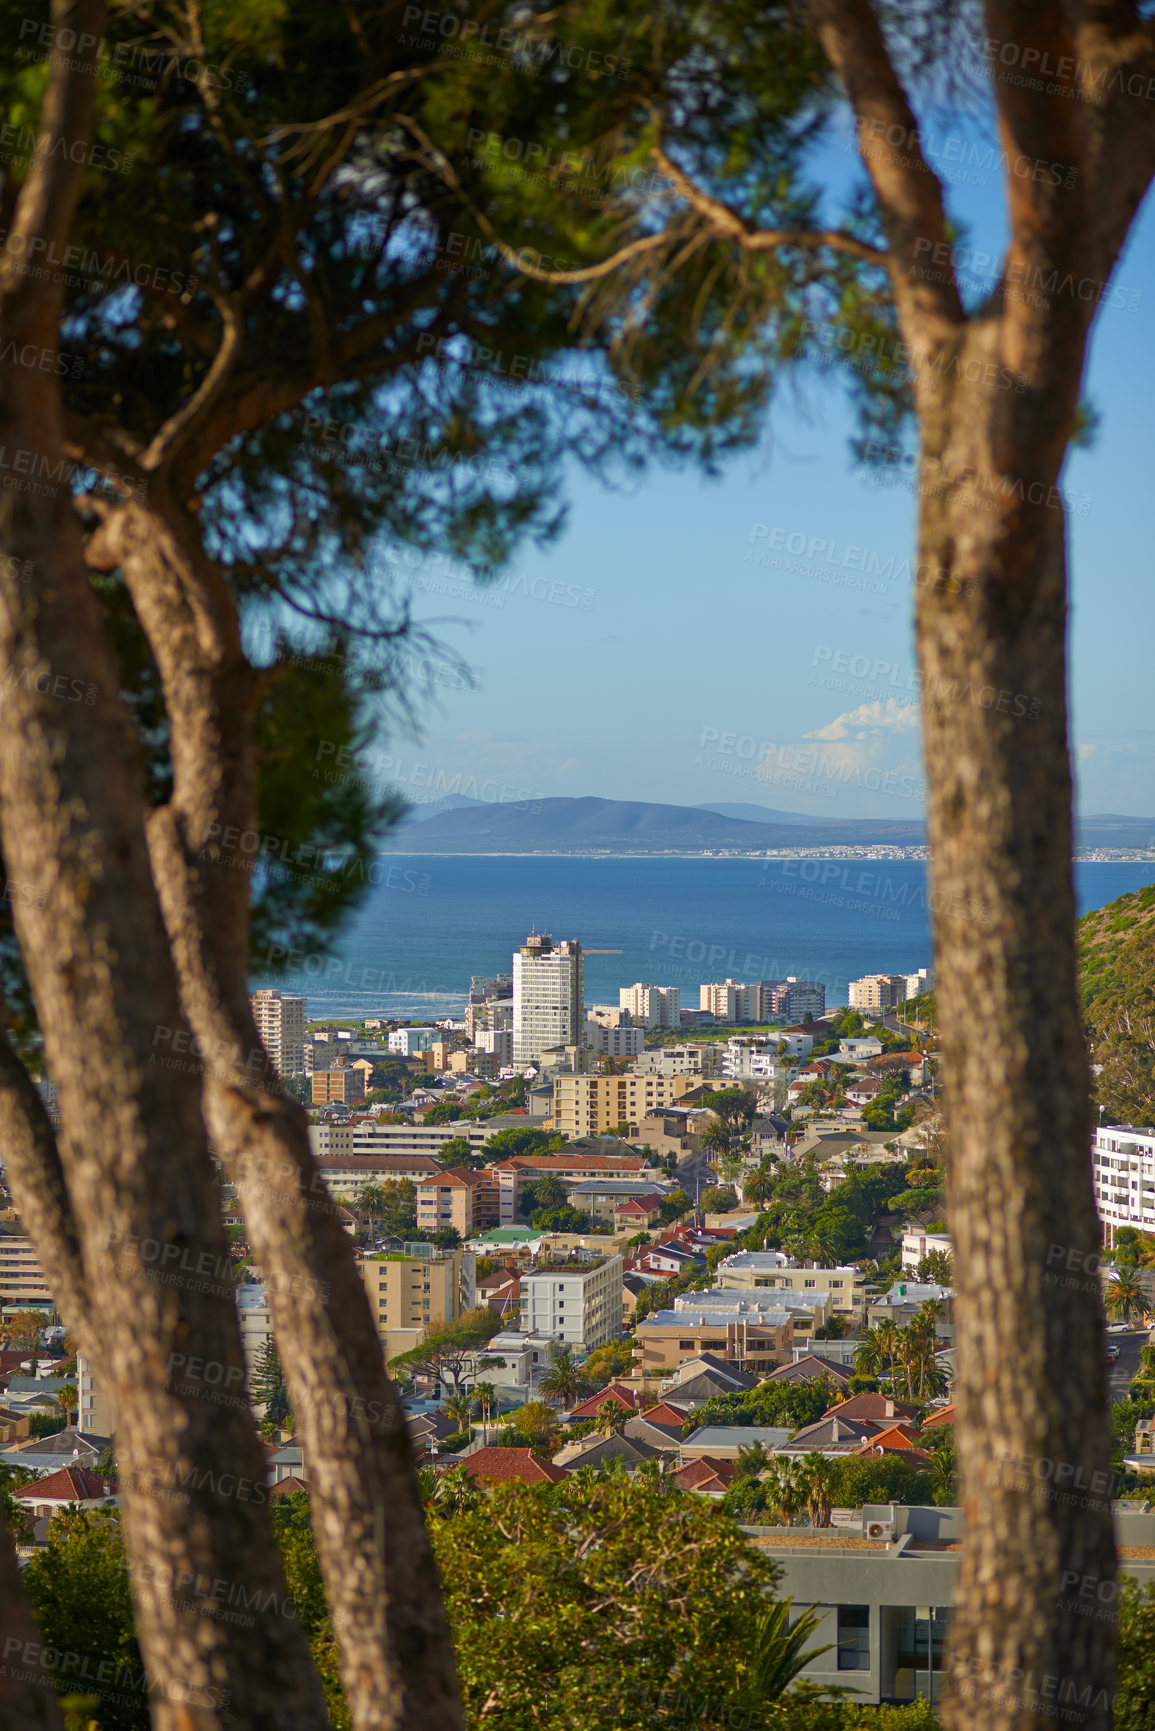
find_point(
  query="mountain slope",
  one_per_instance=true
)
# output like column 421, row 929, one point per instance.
column 578, row 825
column 1116, row 949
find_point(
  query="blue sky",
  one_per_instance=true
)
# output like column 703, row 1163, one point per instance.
column 644, row 656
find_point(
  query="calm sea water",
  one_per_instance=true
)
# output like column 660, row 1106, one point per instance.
column 434, row 920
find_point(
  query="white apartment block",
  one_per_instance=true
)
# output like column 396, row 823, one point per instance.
column 920, row 982
column 729, row 1001
column 916, row 1245
column 409, row 1041
column 618, row 1042
column 746, row 1060
column 877, row 991
column 1123, row 1159
column 548, row 997
column 364, row 1136
column 280, row 1019
column 704, row 1060
column 580, row 1306
column 498, row 1042
column 652, row 1006
column 772, row 1270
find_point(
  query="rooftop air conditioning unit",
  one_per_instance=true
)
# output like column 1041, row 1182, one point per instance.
column 880, row 1530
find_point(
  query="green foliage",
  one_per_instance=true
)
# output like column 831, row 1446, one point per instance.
column 607, row 1362
column 515, row 1140
column 269, row 1390
column 457, row 1152
column 79, row 1592
column 719, row 1199
column 789, row 1404
column 443, row 1112
column 1135, row 1696
column 563, row 1594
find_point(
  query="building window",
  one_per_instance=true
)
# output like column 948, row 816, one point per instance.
column 854, row 1637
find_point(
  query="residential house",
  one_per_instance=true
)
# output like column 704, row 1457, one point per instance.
column 496, row 1465
column 725, row 1441
column 639, row 1212
column 706, row 1475
column 596, row 1451
column 68, row 1488
column 575, row 1166
column 601, row 1197
column 50, row 1454
column 619, row 1394
column 752, row 1270
column 814, row 1368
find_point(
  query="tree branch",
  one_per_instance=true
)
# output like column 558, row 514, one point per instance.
column 909, row 195
column 47, row 200
column 36, row 1179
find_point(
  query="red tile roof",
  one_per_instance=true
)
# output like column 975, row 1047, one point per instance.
column 945, row 1415
column 664, row 1414
column 872, row 1406
column 616, row 1392
column 707, row 1470
column 286, row 1487
column 69, row 1485
column 497, row 1464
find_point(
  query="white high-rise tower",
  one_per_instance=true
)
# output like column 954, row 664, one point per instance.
column 548, row 997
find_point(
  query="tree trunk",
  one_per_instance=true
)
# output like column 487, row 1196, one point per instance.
column 381, row 1579
column 28, row 1699
column 1033, row 1435
column 135, row 1160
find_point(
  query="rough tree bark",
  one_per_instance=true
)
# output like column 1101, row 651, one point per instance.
column 396, row 1654
column 139, row 1180
column 997, row 398
column 28, row 1700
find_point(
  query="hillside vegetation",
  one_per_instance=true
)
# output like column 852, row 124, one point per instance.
column 1116, row 949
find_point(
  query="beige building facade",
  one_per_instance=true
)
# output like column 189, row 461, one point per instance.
column 595, row 1105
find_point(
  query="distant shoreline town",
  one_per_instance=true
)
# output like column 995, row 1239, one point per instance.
column 1081, row 856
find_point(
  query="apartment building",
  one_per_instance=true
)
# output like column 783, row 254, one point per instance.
column 343, row 1085
column 594, row 1105
column 548, row 996
column 409, row 1290
column 794, row 998
column 346, row 1175
column 703, row 1061
column 23, row 1282
column 757, row 1340
column 407, row 1042
column 1123, row 1170
column 580, row 1305
column 570, row 1168
column 917, row 1244
column 280, row 1019
column 880, row 992
column 772, row 1270
column 497, row 1042
column 466, row 1201
column 729, row 1001
column 619, row 1042
column 651, row 1006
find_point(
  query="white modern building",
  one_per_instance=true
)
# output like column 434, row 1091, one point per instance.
column 772, row 1270
column 548, row 997
column 580, row 1306
column 916, row 1245
column 1123, row 1158
column 620, row 1042
column 498, row 1042
column 409, row 1041
column 703, row 1060
column 280, row 1019
column 652, row 1006
column 747, row 1060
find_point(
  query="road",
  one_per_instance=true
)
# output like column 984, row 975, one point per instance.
column 1127, row 1365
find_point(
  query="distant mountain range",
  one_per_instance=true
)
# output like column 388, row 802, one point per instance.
column 460, row 825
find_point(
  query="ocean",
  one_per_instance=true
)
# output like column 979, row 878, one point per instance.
column 433, row 920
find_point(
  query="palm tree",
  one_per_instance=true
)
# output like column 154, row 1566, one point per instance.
column 786, row 1491
column 778, row 1652
column 563, row 1383
column 1126, row 1297
column 457, row 1491
column 753, row 1459
column 716, row 1137
column 758, row 1186
column 612, row 1418
column 68, row 1398
column 459, row 1407
column 819, row 1479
